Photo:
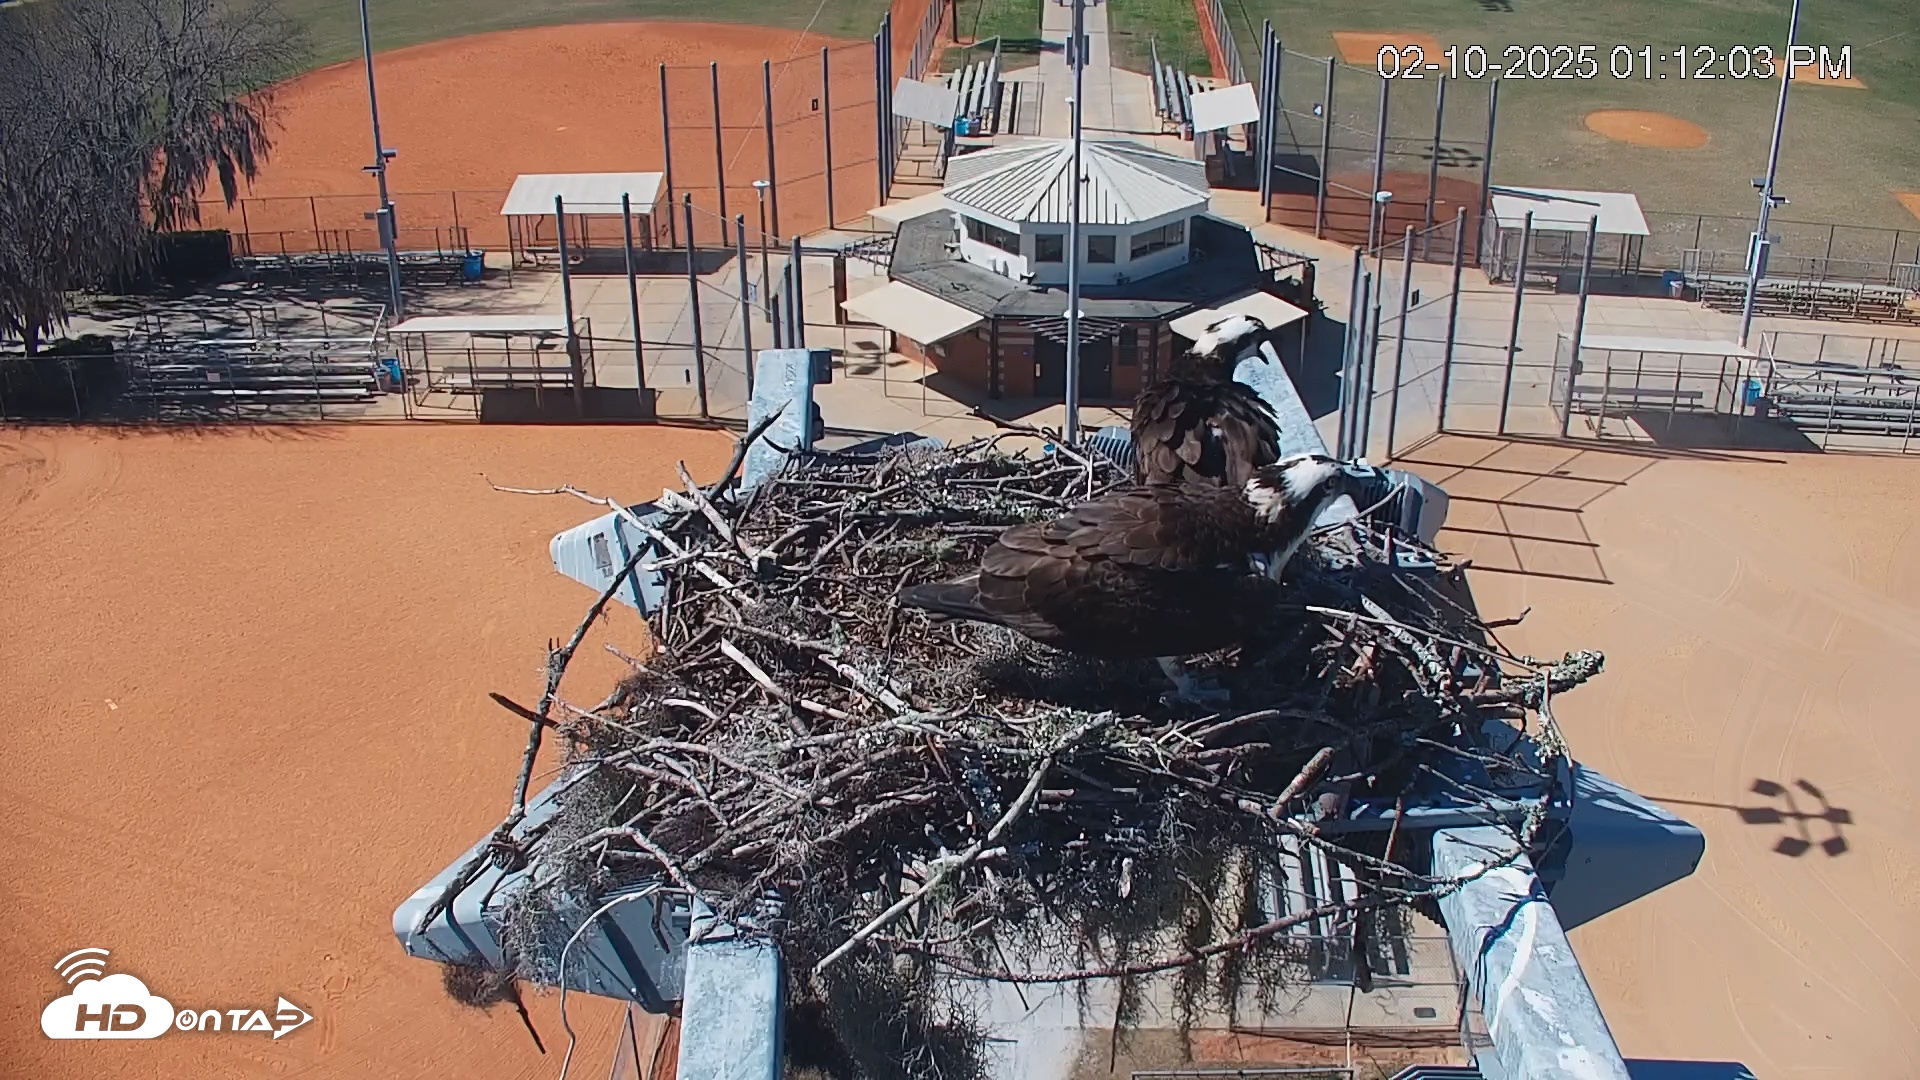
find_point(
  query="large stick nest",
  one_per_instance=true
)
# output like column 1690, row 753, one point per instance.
column 918, row 795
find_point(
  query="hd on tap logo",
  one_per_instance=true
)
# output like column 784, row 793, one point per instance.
column 119, row 1006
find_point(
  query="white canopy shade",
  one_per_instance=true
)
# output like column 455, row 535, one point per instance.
column 1226, row 107
column 538, row 323
column 581, row 193
column 907, row 311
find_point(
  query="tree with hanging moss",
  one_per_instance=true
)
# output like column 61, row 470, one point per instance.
column 116, row 116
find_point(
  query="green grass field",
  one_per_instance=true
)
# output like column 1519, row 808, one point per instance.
column 333, row 26
column 1169, row 25
column 1845, row 149
column 979, row 23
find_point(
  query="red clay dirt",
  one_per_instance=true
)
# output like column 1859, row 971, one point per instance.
column 469, row 114
column 246, row 674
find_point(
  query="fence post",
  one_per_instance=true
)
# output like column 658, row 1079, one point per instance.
column 1486, row 163
column 1343, row 441
column 1326, row 153
column 773, row 181
column 633, row 295
column 1400, row 339
column 313, row 211
column 826, row 126
column 1513, row 334
column 1263, row 154
column 1453, row 313
column 746, row 301
column 693, row 301
column 1580, row 330
column 719, row 154
column 1379, row 291
column 1433, row 166
column 1356, row 444
column 1376, row 213
column 666, row 150
column 798, row 307
column 575, row 370
column 880, row 136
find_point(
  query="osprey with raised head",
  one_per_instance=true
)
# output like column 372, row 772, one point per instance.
column 1157, row 571
column 1198, row 423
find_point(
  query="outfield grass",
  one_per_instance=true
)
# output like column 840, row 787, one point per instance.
column 334, row 25
column 1845, row 149
column 1169, row 25
column 1014, row 23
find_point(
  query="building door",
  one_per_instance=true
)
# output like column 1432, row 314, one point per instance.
column 1096, row 369
column 1049, row 368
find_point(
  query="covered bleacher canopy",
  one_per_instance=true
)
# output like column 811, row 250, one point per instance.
column 592, row 205
column 1560, row 220
column 913, row 314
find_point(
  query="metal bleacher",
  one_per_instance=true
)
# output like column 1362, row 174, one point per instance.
column 1833, row 399
column 1173, row 92
column 980, row 88
column 1802, row 288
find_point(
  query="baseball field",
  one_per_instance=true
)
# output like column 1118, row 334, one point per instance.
column 1682, row 144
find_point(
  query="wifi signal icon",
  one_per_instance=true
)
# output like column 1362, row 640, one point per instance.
column 82, row 965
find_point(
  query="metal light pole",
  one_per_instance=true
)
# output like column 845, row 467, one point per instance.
column 1075, row 57
column 384, row 217
column 766, row 292
column 1756, row 254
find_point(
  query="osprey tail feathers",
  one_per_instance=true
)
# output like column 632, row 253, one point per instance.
column 955, row 599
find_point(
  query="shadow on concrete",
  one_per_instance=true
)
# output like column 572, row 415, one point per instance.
column 1712, row 431
column 1316, row 371
column 1781, row 807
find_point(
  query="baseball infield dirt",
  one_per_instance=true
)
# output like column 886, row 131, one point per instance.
column 469, row 114
column 246, row 674
column 1642, row 128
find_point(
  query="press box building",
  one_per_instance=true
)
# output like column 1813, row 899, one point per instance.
column 977, row 282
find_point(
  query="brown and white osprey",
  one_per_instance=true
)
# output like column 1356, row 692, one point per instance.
column 1198, row 423
column 1158, row 571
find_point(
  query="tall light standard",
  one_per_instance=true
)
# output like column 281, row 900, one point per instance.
column 766, row 293
column 1075, row 56
column 389, row 232
column 1757, row 250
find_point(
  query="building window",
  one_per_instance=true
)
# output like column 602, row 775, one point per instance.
column 992, row 236
column 1049, row 247
column 1100, row 249
column 1160, row 239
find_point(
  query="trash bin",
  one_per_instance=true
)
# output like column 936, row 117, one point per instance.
column 474, row 266
column 1673, row 284
column 392, row 375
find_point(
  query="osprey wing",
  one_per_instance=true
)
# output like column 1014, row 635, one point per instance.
column 1213, row 430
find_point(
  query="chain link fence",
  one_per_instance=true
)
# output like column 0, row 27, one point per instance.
column 1342, row 134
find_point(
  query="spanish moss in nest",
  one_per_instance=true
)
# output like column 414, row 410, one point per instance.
column 924, row 798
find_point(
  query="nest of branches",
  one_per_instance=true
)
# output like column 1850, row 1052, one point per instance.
column 897, row 798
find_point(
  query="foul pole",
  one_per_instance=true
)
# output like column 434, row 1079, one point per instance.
column 1757, row 251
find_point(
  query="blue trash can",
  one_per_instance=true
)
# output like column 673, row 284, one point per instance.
column 474, row 266
column 1673, row 284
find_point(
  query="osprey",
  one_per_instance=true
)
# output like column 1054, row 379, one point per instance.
column 1198, row 423
column 1160, row 571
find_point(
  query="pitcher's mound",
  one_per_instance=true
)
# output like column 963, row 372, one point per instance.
column 1362, row 47
column 1910, row 200
column 1647, row 129
column 1815, row 74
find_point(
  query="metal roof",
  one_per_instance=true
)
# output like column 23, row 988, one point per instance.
column 1675, row 346
column 537, row 323
column 1225, row 108
column 1029, row 183
column 583, row 193
column 1563, row 210
column 912, row 313
column 925, row 102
